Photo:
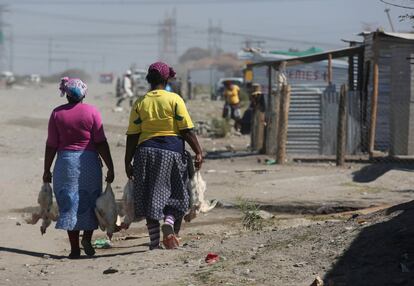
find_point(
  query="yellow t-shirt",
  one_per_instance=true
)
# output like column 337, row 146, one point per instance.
column 232, row 95
column 158, row 113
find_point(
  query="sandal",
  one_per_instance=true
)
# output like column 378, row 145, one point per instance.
column 88, row 248
column 170, row 241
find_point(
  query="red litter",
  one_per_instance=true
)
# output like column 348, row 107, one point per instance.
column 212, row 258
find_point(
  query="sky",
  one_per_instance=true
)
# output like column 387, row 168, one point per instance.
column 110, row 35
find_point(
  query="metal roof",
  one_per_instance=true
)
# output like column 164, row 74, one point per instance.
column 405, row 36
column 340, row 53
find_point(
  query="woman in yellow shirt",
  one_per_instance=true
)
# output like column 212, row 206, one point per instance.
column 158, row 127
column 232, row 103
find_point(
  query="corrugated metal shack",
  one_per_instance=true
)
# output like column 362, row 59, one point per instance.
column 314, row 100
column 392, row 54
column 380, row 99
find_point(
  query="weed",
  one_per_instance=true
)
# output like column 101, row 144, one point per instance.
column 221, row 127
column 251, row 219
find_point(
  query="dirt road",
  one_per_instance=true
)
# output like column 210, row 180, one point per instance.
column 286, row 252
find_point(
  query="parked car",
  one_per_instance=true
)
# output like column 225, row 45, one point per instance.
column 219, row 86
column 7, row 79
column 106, row 78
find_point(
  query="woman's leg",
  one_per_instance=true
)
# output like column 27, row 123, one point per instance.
column 177, row 225
column 154, row 233
column 74, row 244
column 87, row 242
column 169, row 239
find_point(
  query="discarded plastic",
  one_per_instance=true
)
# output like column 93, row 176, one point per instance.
column 102, row 243
column 270, row 162
column 212, row 258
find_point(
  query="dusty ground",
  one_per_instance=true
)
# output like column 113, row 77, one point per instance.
column 300, row 243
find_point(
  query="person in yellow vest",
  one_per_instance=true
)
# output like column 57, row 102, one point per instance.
column 231, row 108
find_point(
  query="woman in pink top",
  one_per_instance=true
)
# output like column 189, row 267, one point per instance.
column 77, row 136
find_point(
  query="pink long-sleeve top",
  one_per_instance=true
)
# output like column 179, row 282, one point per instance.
column 75, row 127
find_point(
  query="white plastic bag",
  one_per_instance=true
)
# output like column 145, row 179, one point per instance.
column 128, row 204
column 198, row 203
column 45, row 201
column 106, row 211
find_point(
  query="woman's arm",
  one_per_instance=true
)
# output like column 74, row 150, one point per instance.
column 131, row 145
column 190, row 137
column 105, row 153
column 50, row 153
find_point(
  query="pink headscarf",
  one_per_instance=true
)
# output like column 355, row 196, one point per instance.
column 165, row 70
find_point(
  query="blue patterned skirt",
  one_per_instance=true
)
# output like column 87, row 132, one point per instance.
column 77, row 183
column 160, row 184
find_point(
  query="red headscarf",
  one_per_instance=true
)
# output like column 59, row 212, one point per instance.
column 165, row 70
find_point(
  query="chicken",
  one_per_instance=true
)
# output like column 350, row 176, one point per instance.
column 45, row 201
column 106, row 211
column 197, row 188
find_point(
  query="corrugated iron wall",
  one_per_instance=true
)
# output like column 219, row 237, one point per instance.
column 304, row 126
column 385, row 46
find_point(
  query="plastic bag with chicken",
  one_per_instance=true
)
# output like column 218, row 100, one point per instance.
column 45, row 201
column 106, row 211
column 128, row 209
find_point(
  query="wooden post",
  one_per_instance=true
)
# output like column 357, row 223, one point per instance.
column 271, row 127
column 283, row 124
column 374, row 102
column 351, row 74
column 330, row 69
column 257, row 131
column 341, row 130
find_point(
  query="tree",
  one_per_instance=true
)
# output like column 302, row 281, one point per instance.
column 194, row 54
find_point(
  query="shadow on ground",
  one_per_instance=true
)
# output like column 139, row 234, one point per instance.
column 53, row 256
column 382, row 254
column 372, row 172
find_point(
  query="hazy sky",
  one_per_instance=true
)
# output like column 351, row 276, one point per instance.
column 79, row 38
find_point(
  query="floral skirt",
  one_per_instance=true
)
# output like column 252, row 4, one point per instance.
column 160, row 183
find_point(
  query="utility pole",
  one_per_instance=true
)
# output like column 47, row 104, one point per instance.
column 3, row 9
column 11, row 50
column 214, row 38
column 387, row 11
column 49, row 55
column 167, row 34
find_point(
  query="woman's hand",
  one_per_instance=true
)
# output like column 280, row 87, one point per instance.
column 47, row 177
column 110, row 176
column 129, row 171
column 198, row 161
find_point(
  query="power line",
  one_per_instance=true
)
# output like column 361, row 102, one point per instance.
column 150, row 2
column 94, row 36
column 73, row 18
column 397, row 5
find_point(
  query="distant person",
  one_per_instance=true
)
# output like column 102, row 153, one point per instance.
column 258, row 107
column 127, row 92
column 158, row 127
column 231, row 94
column 76, row 135
column 257, row 100
column 118, row 87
